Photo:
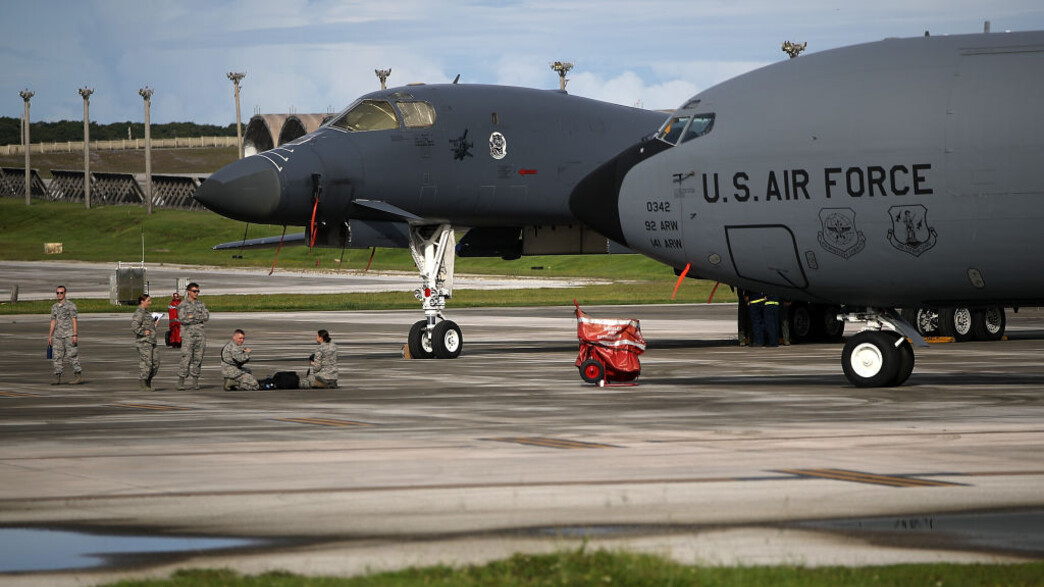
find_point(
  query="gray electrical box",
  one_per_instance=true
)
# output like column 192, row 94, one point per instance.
column 126, row 283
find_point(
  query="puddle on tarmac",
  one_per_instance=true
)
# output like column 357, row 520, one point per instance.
column 41, row 549
column 1019, row 532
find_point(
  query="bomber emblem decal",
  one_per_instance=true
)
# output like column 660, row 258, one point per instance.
column 910, row 232
column 839, row 235
column 497, row 145
column 461, row 146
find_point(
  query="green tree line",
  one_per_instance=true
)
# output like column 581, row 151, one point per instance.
column 72, row 130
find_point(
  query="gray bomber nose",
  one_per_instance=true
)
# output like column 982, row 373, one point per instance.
column 248, row 190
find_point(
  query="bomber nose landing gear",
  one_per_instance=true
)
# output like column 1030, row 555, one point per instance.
column 432, row 251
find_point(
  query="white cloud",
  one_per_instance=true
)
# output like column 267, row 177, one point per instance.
column 319, row 55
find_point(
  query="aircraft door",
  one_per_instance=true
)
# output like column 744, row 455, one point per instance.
column 766, row 254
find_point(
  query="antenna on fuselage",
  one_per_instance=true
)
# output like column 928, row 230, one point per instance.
column 456, row 79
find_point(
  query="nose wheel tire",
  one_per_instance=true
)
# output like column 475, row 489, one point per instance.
column 419, row 341
column 872, row 359
column 446, row 340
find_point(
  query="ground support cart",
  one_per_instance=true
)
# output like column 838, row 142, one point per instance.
column 609, row 349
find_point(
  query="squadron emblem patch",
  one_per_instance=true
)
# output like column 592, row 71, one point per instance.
column 840, row 235
column 910, row 232
column 461, row 147
column 497, row 146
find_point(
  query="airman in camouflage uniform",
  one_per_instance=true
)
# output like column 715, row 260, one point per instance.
column 193, row 314
column 323, row 373
column 234, row 357
column 144, row 327
column 63, row 337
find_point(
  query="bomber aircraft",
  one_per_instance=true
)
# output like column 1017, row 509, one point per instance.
column 406, row 167
column 905, row 173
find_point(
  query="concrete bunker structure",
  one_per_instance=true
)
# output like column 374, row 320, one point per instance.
column 267, row 131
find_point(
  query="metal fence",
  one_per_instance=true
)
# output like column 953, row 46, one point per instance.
column 113, row 189
column 121, row 145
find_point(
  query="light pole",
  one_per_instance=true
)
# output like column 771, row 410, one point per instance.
column 236, row 77
column 26, row 95
column 562, row 67
column 86, row 93
column 146, row 93
column 383, row 74
column 793, row 49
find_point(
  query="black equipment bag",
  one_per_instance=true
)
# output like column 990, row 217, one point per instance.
column 286, row 380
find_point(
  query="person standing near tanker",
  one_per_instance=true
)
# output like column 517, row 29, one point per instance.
column 63, row 337
column 193, row 315
column 144, row 327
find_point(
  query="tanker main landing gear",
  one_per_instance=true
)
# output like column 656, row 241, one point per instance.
column 882, row 355
column 432, row 251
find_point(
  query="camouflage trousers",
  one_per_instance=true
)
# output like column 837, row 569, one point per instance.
column 243, row 382
column 313, row 381
column 193, row 343
column 148, row 359
column 62, row 349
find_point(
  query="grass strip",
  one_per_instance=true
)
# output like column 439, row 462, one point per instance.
column 601, row 568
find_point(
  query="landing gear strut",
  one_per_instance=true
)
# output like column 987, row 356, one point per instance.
column 432, row 251
column 882, row 354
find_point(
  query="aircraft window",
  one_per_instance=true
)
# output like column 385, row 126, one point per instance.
column 673, row 129
column 368, row 115
column 685, row 127
column 701, row 124
column 417, row 114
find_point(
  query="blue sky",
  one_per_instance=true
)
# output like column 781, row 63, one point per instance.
column 319, row 55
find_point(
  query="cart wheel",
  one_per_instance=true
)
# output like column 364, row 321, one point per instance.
column 592, row 371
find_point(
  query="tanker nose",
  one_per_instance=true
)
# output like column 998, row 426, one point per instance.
column 596, row 199
column 248, row 190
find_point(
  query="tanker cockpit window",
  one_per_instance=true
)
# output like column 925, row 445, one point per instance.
column 685, row 127
column 671, row 131
column 367, row 115
column 700, row 125
column 417, row 114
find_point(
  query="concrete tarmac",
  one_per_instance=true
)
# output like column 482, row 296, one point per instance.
column 37, row 280
column 721, row 454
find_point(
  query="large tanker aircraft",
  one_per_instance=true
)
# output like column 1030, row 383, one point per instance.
column 405, row 167
column 905, row 173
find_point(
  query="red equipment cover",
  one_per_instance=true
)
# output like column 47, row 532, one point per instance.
column 615, row 342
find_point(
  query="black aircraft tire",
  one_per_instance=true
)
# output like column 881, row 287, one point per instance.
column 592, row 371
column 989, row 323
column 906, row 363
column 446, row 340
column 928, row 321
column 801, row 323
column 419, row 342
column 870, row 359
column 830, row 328
column 956, row 322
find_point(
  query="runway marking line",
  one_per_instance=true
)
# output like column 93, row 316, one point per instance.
column 870, row 478
column 17, row 394
column 158, row 407
column 551, row 442
column 325, row 422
